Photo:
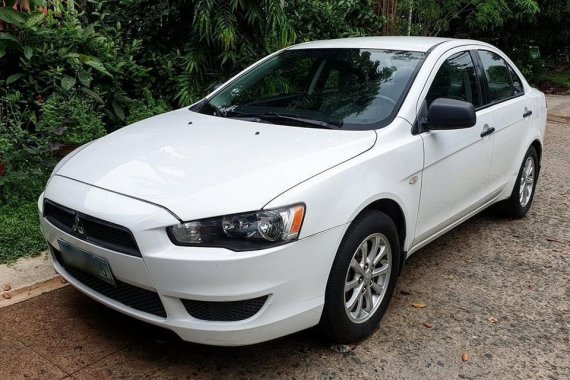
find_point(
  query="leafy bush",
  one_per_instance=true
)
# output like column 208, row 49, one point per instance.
column 146, row 107
column 73, row 121
column 25, row 156
column 58, row 53
column 318, row 19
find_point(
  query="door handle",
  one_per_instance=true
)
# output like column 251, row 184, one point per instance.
column 527, row 113
column 487, row 131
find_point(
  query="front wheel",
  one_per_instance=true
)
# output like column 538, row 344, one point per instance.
column 362, row 278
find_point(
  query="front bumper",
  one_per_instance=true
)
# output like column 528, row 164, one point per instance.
column 293, row 276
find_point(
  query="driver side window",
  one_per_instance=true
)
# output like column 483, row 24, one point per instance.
column 456, row 79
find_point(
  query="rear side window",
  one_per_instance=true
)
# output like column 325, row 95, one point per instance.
column 456, row 79
column 497, row 75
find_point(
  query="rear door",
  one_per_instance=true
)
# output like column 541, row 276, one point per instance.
column 505, row 98
column 456, row 162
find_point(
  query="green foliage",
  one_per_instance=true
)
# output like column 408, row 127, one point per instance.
column 146, row 107
column 225, row 35
column 436, row 17
column 558, row 79
column 318, row 19
column 58, row 53
column 24, row 155
column 72, row 121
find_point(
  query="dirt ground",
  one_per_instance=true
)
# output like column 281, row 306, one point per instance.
column 495, row 289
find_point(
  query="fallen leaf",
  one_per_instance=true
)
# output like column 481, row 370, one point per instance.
column 342, row 348
column 427, row 325
column 6, row 296
column 419, row 305
column 465, row 357
column 63, row 280
column 7, row 288
column 492, row 319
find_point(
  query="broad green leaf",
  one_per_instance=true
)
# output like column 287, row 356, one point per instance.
column 35, row 19
column 92, row 94
column 118, row 111
column 28, row 52
column 84, row 77
column 14, row 77
column 2, row 50
column 67, row 82
column 95, row 63
column 9, row 37
column 10, row 16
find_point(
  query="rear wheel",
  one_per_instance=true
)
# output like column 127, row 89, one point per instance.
column 362, row 279
column 523, row 193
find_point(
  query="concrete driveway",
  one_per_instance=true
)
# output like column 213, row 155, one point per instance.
column 495, row 289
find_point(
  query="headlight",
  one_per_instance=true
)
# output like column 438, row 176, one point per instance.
column 241, row 232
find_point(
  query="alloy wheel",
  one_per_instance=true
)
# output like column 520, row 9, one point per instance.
column 526, row 182
column 367, row 277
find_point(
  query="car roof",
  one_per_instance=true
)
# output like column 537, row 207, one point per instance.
column 420, row 44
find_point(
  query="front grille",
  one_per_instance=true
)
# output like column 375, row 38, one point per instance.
column 224, row 311
column 96, row 231
column 127, row 294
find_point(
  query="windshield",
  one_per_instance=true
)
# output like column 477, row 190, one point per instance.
column 322, row 88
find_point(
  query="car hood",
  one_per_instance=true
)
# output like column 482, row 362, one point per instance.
column 200, row 166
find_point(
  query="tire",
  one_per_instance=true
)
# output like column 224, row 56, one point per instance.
column 514, row 207
column 346, row 326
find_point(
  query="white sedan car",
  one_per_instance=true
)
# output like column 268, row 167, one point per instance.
column 292, row 195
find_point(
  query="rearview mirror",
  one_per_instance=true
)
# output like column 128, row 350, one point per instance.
column 446, row 113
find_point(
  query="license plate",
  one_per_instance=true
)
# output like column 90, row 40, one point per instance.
column 87, row 262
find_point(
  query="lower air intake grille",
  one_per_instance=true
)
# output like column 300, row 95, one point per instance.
column 129, row 295
column 224, row 311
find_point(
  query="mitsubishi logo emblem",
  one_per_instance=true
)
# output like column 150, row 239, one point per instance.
column 77, row 226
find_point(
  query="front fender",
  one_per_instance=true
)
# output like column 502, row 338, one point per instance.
column 336, row 196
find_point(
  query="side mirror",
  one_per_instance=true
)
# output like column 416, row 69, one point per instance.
column 446, row 113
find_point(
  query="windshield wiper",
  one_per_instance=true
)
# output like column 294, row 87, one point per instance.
column 308, row 121
column 274, row 117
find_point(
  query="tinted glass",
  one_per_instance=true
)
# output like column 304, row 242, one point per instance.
column 342, row 88
column 497, row 74
column 456, row 79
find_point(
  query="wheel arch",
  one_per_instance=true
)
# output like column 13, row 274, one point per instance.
column 393, row 209
column 538, row 147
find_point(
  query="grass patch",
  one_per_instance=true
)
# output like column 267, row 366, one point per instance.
column 19, row 231
column 561, row 80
